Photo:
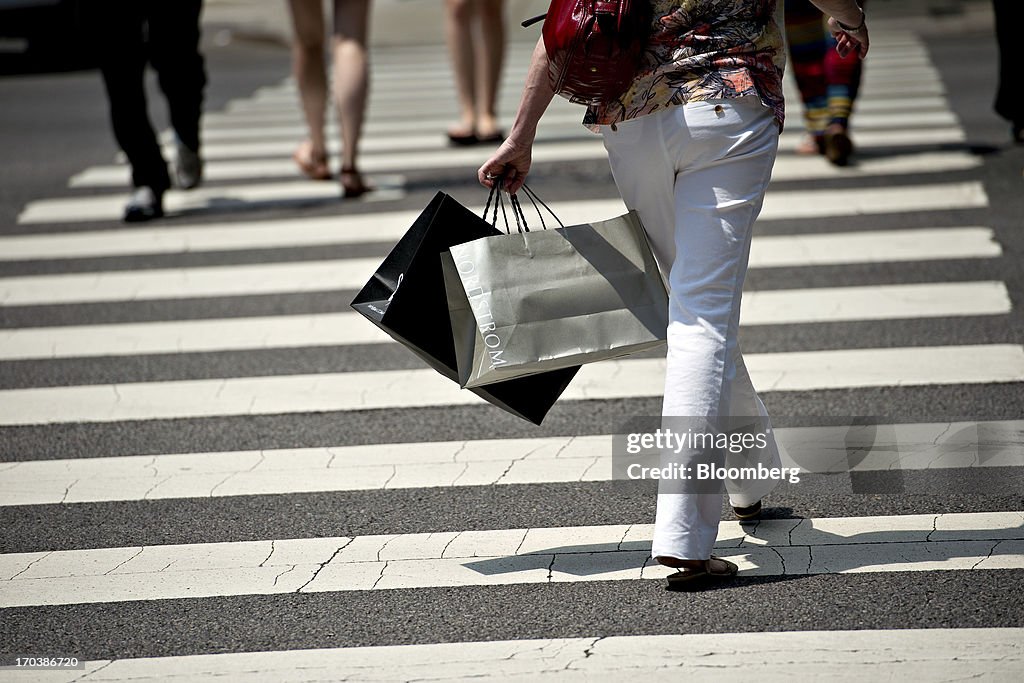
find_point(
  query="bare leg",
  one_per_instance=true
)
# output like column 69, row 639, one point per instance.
column 311, row 77
column 458, row 29
column 490, row 52
column 351, row 83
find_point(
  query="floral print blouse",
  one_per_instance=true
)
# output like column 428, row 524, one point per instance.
column 703, row 50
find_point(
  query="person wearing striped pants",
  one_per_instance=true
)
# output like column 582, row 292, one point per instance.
column 828, row 82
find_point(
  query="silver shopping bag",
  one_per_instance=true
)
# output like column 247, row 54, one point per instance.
column 530, row 302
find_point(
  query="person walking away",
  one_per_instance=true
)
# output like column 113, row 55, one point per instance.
column 351, row 79
column 1010, row 96
column 475, row 31
column 166, row 35
column 828, row 82
column 691, row 144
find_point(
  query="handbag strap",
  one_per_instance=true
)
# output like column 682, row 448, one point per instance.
column 533, row 20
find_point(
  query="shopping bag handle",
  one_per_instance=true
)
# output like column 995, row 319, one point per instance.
column 517, row 210
column 495, row 196
column 535, row 199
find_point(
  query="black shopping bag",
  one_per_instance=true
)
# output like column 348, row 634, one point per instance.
column 406, row 298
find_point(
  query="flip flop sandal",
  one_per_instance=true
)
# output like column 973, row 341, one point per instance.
column 312, row 166
column 690, row 577
column 811, row 145
column 352, row 183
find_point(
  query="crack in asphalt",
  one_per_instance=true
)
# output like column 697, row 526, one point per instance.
column 446, row 545
column 324, row 564
column 267, row 559
column 990, row 552
column 97, row 670
column 67, row 490
column 551, row 567
column 291, row 568
column 31, row 564
column 107, row 573
column 381, row 575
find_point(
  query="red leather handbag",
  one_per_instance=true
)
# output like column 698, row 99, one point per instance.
column 594, row 46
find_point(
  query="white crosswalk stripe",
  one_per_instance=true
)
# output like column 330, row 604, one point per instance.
column 213, row 265
column 925, row 654
column 392, row 389
column 463, row 463
column 880, row 302
column 353, row 273
column 542, row 555
column 793, row 371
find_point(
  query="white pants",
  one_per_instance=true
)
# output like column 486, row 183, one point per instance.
column 697, row 174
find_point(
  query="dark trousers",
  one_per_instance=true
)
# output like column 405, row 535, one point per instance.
column 165, row 34
column 1010, row 96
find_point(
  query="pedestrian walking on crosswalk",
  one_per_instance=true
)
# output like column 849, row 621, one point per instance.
column 351, row 77
column 132, row 33
column 1009, row 98
column 692, row 143
column 828, row 82
column 475, row 31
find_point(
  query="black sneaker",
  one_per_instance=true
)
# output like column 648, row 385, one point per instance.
column 143, row 205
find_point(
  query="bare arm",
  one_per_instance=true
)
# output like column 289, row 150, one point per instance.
column 513, row 158
column 849, row 13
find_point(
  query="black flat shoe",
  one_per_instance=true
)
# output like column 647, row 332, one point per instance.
column 467, row 140
column 495, row 138
column 694, row 577
column 749, row 512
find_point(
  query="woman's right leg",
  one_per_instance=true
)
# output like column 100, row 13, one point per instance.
column 351, row 84
column 311, row 77
column 490, row 53
column 458, row 31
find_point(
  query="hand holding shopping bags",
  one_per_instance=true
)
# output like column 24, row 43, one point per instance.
column 406, row 298
column 511, row 316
